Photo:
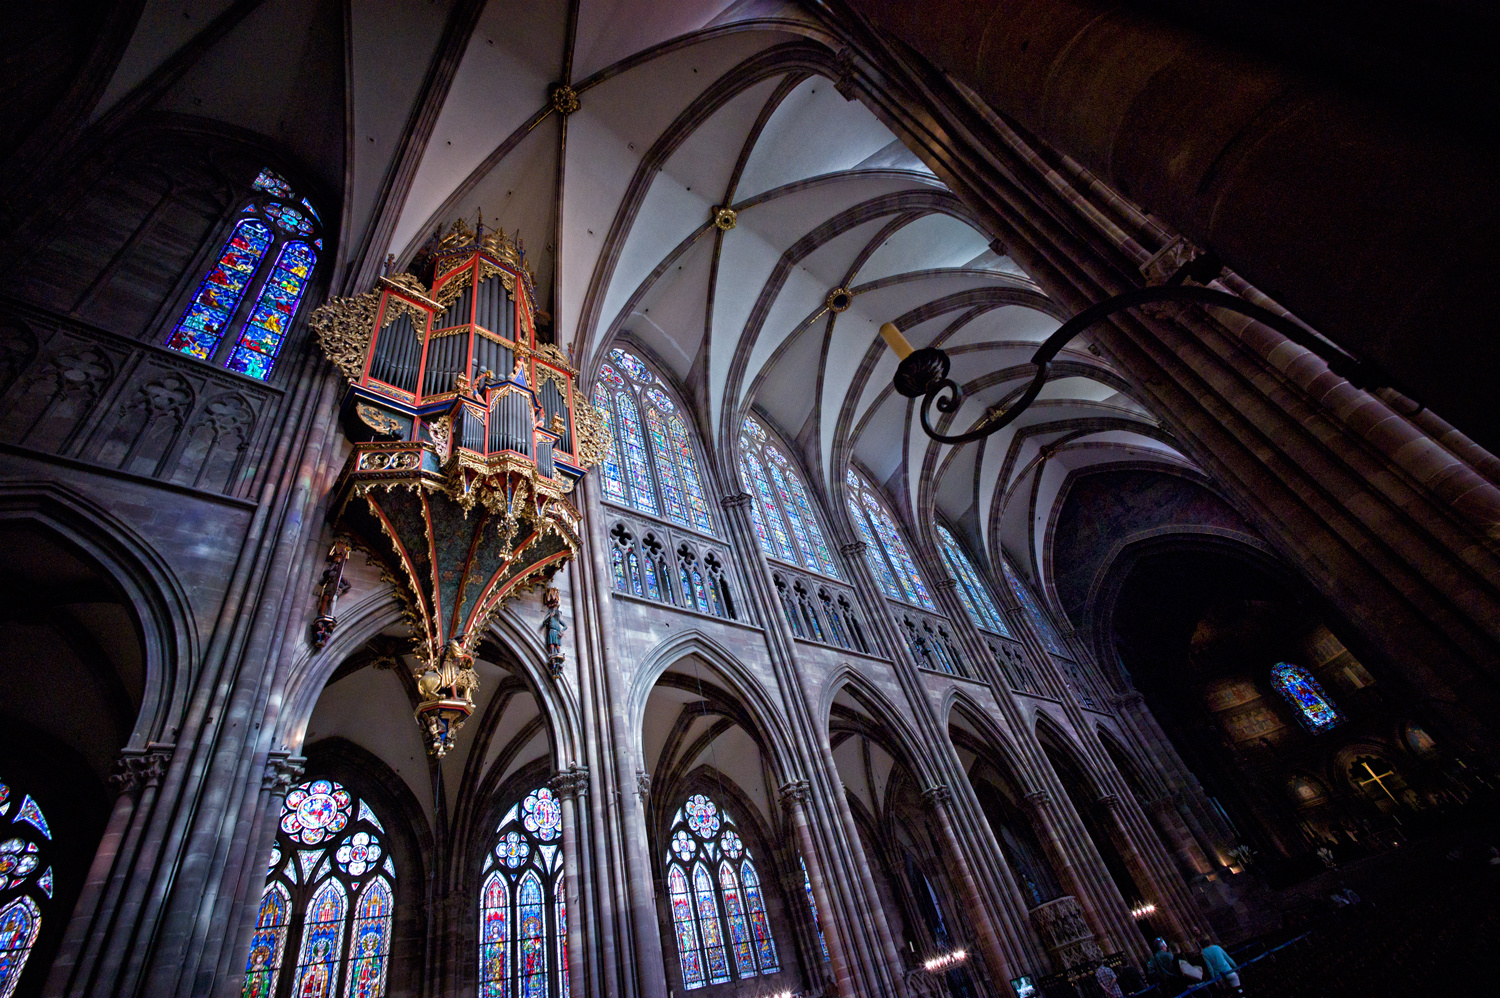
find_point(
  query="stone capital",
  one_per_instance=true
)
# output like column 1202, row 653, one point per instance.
column 571, row 783
column 1038, row 799
column 936, row 797
column 1129, row 698
column 946, row 585
column 795, row 793
column 1109, row 802
column 137, row 769
column 735, row 500
column 282, row 770
column 854, row 549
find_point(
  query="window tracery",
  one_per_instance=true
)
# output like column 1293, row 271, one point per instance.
column 889, row 558
column 659, row 473
column 329, row 862
column 785, row 524
column 523, row 918
column 714, row 893
column 1039, row 617
column 26, row 882
column 1305, row 694
column 972, row 592
column 646, row 565
column 267, row 222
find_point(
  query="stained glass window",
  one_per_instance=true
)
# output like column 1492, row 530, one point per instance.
column 781, row 512
column 268, row 221
column 646, row 426
column 1306, row 696
column 972, row 592
column 901, row 579
column 25, row 881
column 812, row 904
column 613, row 477
column 339, row 875
column 1039, row 617
column 274, row 310
column 718, row 918
column 523, row 916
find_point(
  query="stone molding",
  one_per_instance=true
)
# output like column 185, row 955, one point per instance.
column 735, row 500
column 281, row 772
column 795, row 794
column 572, row 783
column 854, row 549
column 936, row 797
column 1038, row 799
column 136, row 769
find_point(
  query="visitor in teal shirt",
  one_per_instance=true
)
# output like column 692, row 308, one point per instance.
column 1220, row 964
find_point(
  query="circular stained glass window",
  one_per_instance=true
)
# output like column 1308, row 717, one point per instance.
column 17, row 858
column 684, row 845
column 513, row 849
column 315, row 811
column 658, row 398
column 731, row 844
column 541, row 814
column 288, row 219
column 608, row 375
column 358, row 853
column 702, row 816
column 632, row 366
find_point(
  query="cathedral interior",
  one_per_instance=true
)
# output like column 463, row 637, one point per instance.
column 765, row 498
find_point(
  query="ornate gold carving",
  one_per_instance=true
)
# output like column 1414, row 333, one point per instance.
column 590, row 445
column 725, row 218
column 564, row 99
column 545, row 373
column 343, row 327
column 448, row 293
column 396, row 306
column 488, row 270
column 839, row 300
column 376, row 420
column 441, row 432
column 552, row 355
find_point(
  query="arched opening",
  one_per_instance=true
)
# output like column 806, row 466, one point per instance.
column 902, row 849
column 1260, row 698
column 721, row 850
column 74, row 663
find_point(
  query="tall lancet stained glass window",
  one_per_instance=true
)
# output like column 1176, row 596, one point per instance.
column 884, row 547
column 523, row 917
column 972, row 591
column 256, row 282
column 324, row 921
column 26, row 881
column 1305, row 694
column 1039, row 617
column 718, row 905
column 651, row 464
column 784, row 520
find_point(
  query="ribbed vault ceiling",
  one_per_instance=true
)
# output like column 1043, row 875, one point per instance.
column 686, row 107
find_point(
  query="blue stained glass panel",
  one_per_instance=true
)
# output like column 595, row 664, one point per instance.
column 765, row 945
column 972, row 590
column 812, row 903
column 1039, row 619
column 769, row 511
column 32, row 815
column 322, row 938
column 560, row 896
column 794, row 517
column 611, row 377
column 658, row 398
column 370, row 942
column 755, row 518
column 632, row 366
column 635, row 571
column 1306, row 696
column 756, row 431
column 20, row 921
column 666, row 466
column 642, row 496
column 692, row 486
column 613, row 477
column 271, row 319
column 531, row 934
column 872, row 551
column 617, row 562
column 895, row 549
column 541, row 815
column 494, row 938
column 267, row 943
column 652, row 588
column 312, row 211
column 734, row 916
column 699, row 595
column 685, row 926
column 799, row 496
column 709, row 926
column 197, row 333
column 273, row 184
column 288, row 219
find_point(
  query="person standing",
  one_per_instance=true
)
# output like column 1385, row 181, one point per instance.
column 1162, row 969
column 1221, row 967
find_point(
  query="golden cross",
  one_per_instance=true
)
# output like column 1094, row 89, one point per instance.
column 1378, row 779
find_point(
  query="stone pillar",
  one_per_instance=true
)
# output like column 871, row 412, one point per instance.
column 937, row 800
column 1040, row 804
column 1140, row 871
column 568, row 787
column 794, row 798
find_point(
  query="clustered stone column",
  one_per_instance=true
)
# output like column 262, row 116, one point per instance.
column 569, row 786
column 794, row 797
column 937, row 800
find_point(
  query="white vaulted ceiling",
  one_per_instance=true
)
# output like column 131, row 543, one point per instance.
column 685, row 107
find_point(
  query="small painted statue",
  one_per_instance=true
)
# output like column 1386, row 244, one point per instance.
column 554, row 626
